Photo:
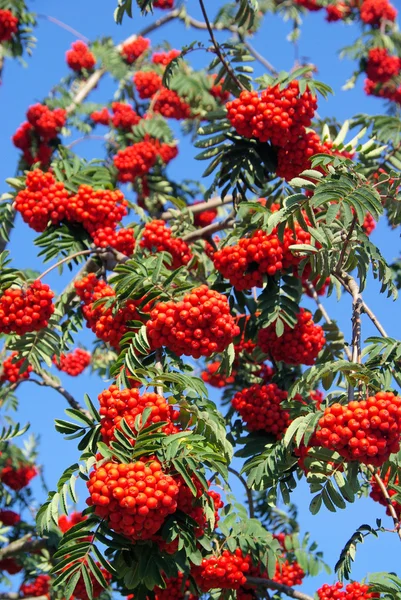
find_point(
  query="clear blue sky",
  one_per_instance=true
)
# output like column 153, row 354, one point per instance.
column 319, row 43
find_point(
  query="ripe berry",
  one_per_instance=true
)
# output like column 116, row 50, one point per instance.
column 377, row 495
column 373, row 12
column 295, row 156
column 206, row 217
column 116, row 404
column 65, row 523
column 121, row 239
column 11, row 369
column 215, row 379
column 367, row 431
column 163, row 4
column 147, row 83
column 297, row 346
column 96, row 209
column 176, row 589
column 289, row 573
column 18, row 477
column 157, row 237
column 8, row 25
column 217, row 91
column 131, row 51
column 353, row 591
column 135, row 498
column 101, row 117
column 388, row 90
column 166, row 152
column 10, row 565
column 171, row 106
column 226, row 571
column 198, row 325
column 135, row 161
column 23, row 310
column 80, row 57
column 46, row 123
column 260, row 408
column 337, row 12
column 42, row 201
column 165, row 58
column 369, row 224
column 9, row 517
column 124, row 116
column 38, row 587
column 194, row 507
column 381, row 66
column 276, row 115
column 73, row 363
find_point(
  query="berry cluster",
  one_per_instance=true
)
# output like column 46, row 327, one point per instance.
column 311, row 5
column 206, row 217
column 135, row 161
column 165, row 58
column 79, row 57
column 135, row 498
column 175, row 589
column 8, row 25
column 124, row 116
column 226, row 571
column 11, row 566
column 217, row 91
column 23, row 310
column 9, row 518
column 260, row 408
column 192, row 505
column 80, row 589
column 377, row 495
column 43, row 200
column 199, row 325
column 11, row 369
column 18, row 477
column 353, row 591
column 131, row 51
column 373, row 12
column 38, row 587
column 37, row 136
column 367, row 431
column 171, row 105
column 337, row 12
column 295, row 157
column 297, row 346
column 66, row 523
column 107, row 324
column 96, row 209
column 157, row 237
column 73, row 363
column 116, row 404
column 289, row 573
column 381, row 66
column 163, row 4
column 277, row 115
column 147, row 83
column 215, row 379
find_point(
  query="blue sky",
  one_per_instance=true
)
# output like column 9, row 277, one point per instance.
column 319, row 43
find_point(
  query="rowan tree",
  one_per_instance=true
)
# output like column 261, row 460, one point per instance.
column 168, row 274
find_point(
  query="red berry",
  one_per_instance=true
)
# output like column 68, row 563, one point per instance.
column 124, row 116
column 206, row 217
column 73, row 363
column 337, row 12
column 353, row 591
column 135, row 161
column 131, row 51
column 80, row 57
column 147, row 83
column 381, row 66
column 171, row 105
column 26, row 310
column 215, row 379
column 121, row 239
column 96, row 209
column 9, row 517
column 11, row 369
column 175, row 589
column 311, row 5
column 65, row 523
column 38, row 587
column 18, row 477
column 163, row 4
column 8, row 25
column 165, row 58
column 101, row 117
column 46, row 123
column 226, row 571
column 373, row 12
column 157, row 237
column 295, row 156
column 97, row 589
column 377, row 495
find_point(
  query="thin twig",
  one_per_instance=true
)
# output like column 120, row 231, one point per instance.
column 263, row 61
column 219, row 53
column 64, row 26
column 201, row 207
column 63, row 260
column 280, row 587
column 374, row 319
column 48, row 382
column 247, row 490
column 387, row 499
column 209, row 229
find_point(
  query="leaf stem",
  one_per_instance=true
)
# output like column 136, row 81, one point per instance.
column 247, row 490
column 63, row 260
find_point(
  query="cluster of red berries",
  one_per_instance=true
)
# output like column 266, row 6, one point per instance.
column 217, row 91
column 215, row 379
column 206, row 217
column 226, row 571
column 135, row 161
column 36, row 134
column 373, row 12
column 135, row 498
column 296, row 156
column 381, row 66
column 11, row 369
column 311, row 5
column 79, row 57
column 163, row 4
column 147, row 83
column 38, row 587
column 116, row 404
column 131, row 51
column 8, row 25
column 80, row 588
column 377, row 495
column 353, row 591
column 157, row 237
column 260, row 408
column 124, row 116
column 73, row 363
column 198, row 325
column 337, row 12
column 23, row 310
column 165, row 58
column 10, row 565
column 96, row 209
column 66, row 523
column 297, row 346
column 18, row 477
column 289, row 573
column 108, row 325
column 277, row 115
column 9, row 518
column 191, row 505
column 176, row 589
column 367, row 431
column 171, row 105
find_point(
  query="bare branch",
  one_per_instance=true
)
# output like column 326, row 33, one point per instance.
column 209, row 229
column 284, row 589
column 263, row 61
column 25, row 544
column 48, row 382
column 201, row 207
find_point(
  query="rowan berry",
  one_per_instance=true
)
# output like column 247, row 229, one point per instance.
column 17, row 477
column 96, row 209
column 353, row 591
column 260, row 408
column 311, row 5
column 204, row 218
column 289, row 573
column 193, row 507
column 8, row 25
column 169, row 104
column 217, row 91
column 131, row 51
column 387, row 90
column 367, row 431
column 65, row 523
column 46, row 123
column 38, row 587
column 79, row 57
column 198, row 325
column 121, row 239
column 23, row 310
column 167, row 152
column 116, row 404
column 215, row 379
column 369, row 224
column 165, row 58
column 124, row 116
column 11, row 566
column 43, row 200
column 226, row 571
column 157, row 237
column 101, row 117
column 381, row 66
column 377, row 495
column 11, row 369
column 295, row 156
column 9, row 517
column 373, row 12
column 337, row 12
column 278, row 116
column 117, row 493
column 297, row 346
column 73, row 363
column 176, row 589
column 147, row 83
column 22, row 138
column 135, row 161
column 163, row 4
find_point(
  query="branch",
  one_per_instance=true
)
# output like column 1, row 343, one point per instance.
column 374, row 319
column 64, row 26
column 48, row 382
column 263, row 61
column 387, row 499
column 159, row 367
column 280, row 587
column 247, row 490
column 209, row 229
column 25, row 544
column 63, row 260
column 201, row 207
column 16, row 596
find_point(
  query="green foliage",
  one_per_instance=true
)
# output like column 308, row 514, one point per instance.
column 348, row 553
